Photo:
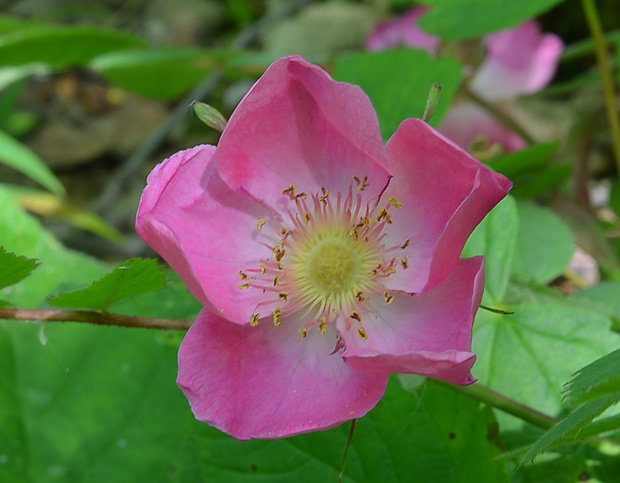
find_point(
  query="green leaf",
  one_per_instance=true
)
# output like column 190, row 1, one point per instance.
column 13, row 450
column 575, row 421
column 467, row 19
column 159, row 74
column 542, row 181
column 600, row 378
column 63, row 46
column 397, row 82
column 23, row 234
column 528, row 160
column 431, row 433
column 495, row 238
column 19, row 157
column 14, row 268
column 529, row 355
column 544, row 246
column 132, row 278
column 604, row 295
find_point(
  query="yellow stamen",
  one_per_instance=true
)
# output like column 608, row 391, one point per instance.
column 254, row 320
column 260, row 224
column 394, row 202
column 277, row 313
column 388, row 298
column 362, row 333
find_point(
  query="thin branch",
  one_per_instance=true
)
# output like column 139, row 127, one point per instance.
column 92, row 317
column 611, row 104
column 500, row 115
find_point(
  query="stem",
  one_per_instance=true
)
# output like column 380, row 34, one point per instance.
column 500, row 115
column 596, row 30
column 92, row 317
column 501, row 402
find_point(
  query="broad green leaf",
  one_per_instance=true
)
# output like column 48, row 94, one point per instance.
column 23, row 234
column 397, row 82
column 14, row 463
column 159, row 74
column 529, row 355
column 594, row 380
column 575, row 421
column 432, row 434
column 61, row 47
column 14, row 268
column 134, row 277
column 467, row 19
column 530, row 159
column 604, row 295
column 19, row 157
column 541, row 181
column 544, row 246
column 495, row 238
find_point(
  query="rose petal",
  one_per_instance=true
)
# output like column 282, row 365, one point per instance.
column 519, row 61
column 427, row 334
column 267, row 382
column 445, row 193
column 403, row 31
column 204, row 230
column 465, row 121
column 298, row 126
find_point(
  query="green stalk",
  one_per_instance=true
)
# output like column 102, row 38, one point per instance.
column 594, row 22
column 500, row 115
column 501, row 402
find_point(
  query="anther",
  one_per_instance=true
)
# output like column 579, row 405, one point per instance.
column 303, row 332
column 406, row 244
column 362, row 333
column 388, row 298
column 276, row 281
column 277, row 313
column 355, row 316
column 360, row 296
column 291, row 191
column 243, row 275
column 283, row 296
column 260, row 224
column 394, row 202
column 361, row 185
column 323, row 325
column 254, row 320
column 244, row 286
column 404, row 261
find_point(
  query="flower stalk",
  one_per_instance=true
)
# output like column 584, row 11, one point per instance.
column 594, row 22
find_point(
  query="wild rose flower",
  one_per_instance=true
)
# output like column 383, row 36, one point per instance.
column 324, row 260
column 518, row 62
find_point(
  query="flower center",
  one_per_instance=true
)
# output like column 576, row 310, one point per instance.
column 332, row 265
column 328, row 263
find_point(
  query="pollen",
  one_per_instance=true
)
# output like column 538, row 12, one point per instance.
column 328, row 262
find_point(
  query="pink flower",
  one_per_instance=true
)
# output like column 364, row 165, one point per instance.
column 518, row 61
column 403, row 31
column 324, row 260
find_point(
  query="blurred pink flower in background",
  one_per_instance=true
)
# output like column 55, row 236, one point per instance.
column 518, row 61
column 324, row 260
